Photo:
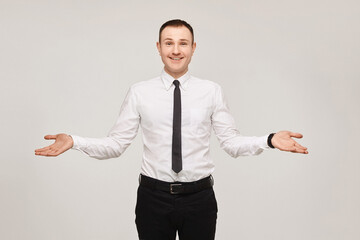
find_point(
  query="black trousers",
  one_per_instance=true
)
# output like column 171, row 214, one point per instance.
column 159, row 215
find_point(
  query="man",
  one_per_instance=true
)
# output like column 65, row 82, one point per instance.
column 176, row 112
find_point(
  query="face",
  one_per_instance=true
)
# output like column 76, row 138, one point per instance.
column 176, row 49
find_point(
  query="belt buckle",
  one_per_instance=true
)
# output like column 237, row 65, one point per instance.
column 171, row 188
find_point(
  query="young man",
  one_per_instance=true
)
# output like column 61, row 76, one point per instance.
column 176, row 112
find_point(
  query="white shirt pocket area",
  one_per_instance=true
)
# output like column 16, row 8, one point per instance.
column 200, row 120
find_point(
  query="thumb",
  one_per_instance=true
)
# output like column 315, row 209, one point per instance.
column 49, row 137
column 296, row 135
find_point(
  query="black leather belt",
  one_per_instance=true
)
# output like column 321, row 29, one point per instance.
column 176, row 187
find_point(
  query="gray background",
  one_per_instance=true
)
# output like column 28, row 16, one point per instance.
column 65, row 66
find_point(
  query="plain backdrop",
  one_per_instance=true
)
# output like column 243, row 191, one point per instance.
column 65, row 66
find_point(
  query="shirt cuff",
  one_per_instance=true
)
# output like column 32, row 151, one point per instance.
column 263, row 142
column 78, row 142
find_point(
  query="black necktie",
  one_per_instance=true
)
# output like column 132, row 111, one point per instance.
column 176, row 141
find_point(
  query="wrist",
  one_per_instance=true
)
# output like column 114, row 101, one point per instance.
column 71, row 140
column 269, row 140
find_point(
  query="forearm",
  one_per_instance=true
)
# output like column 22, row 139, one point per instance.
column 244, row 146
column 100, row 148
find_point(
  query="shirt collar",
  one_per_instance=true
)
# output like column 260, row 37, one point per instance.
column 168, row 80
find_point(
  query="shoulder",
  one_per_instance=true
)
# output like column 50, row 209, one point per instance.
column 146, row 85
column 205, row 83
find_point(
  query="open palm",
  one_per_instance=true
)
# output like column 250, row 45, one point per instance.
column 283, row 141
column 63, row 142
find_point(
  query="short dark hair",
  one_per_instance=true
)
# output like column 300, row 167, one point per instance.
column 176, row 23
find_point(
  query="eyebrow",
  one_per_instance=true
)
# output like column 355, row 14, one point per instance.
column 183, row 39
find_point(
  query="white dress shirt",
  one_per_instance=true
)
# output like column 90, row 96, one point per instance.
column 149, row 104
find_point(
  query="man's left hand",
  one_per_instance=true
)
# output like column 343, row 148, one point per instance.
column 283, row 141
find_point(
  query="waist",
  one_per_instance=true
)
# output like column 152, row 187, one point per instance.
column 176, row 187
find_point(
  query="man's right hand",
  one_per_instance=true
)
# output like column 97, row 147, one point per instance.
column 63, row 142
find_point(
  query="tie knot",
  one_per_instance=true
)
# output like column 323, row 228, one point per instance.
column 176, row 83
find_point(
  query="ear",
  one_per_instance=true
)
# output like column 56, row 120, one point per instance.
column 193, row 47
column 158, row 46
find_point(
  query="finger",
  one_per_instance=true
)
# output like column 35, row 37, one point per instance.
column 48, row 153
column 51, row 151
column 39, row 153
column 48, row 137
column 300, row 147
column 57, row 148
column 296, row 135
column 51, row 154
column 54, row 152
column 43, row 153
column 296, row 148
column 300, row 150
column 42, row 149
column 46, row 148
column 288, row 149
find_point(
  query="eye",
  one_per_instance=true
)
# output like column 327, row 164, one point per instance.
column 168, row 43
column 183, row 43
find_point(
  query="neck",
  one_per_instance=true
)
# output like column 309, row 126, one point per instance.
column 176, row 75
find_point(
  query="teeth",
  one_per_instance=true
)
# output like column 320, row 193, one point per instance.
column 176, row 58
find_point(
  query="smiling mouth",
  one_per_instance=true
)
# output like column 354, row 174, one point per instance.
column 176, row 59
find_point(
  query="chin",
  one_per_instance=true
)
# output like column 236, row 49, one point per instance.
column 174, row 70
column 178, row 71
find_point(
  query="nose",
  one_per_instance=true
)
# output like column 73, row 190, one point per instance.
column 176, row 49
